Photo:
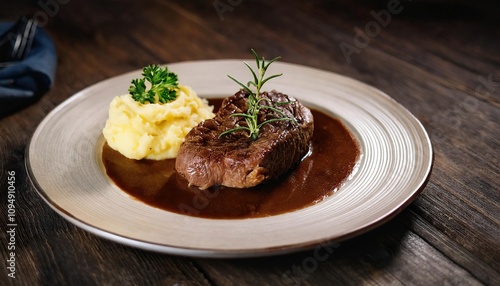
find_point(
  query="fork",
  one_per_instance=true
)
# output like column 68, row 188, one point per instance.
column 16, row 42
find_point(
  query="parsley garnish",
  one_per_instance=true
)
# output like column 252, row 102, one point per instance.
column 164, row 85
column 255, row 101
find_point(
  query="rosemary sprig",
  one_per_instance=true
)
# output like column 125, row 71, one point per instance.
column 255, row 101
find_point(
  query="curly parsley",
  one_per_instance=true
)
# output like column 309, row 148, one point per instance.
column 164, row 85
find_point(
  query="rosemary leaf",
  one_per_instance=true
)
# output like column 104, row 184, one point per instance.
column 255, row 102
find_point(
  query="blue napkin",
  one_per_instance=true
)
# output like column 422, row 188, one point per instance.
column 23, row 82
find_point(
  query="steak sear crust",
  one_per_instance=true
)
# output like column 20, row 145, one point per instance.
column 235, row 160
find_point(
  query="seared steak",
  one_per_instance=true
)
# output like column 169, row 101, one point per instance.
column 235, row 160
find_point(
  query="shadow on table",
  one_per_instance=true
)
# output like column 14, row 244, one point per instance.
column 371, row 252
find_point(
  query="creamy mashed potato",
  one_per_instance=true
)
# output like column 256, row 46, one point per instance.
column 153, row 131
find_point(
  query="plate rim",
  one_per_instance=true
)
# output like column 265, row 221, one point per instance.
column 226, row 253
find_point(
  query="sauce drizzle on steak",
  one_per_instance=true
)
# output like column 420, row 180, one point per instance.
column 206, row 159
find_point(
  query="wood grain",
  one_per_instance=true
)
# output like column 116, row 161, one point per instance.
column 440, row 60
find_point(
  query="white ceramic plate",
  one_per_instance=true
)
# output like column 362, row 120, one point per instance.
column 63, row 161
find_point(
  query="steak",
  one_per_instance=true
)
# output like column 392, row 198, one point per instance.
column 235, row 160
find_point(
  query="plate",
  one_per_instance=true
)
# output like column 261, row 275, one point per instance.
column 63, row 162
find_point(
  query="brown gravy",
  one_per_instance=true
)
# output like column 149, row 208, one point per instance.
column 333, row 157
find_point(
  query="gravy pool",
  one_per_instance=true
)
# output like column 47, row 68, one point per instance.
column 334, row 154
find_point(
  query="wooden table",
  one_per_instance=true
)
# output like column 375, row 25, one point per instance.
column 439, row 60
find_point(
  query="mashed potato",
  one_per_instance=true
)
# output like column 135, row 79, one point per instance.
column 153, row 131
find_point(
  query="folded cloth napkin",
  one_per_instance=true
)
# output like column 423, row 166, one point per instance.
column 22, row 82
